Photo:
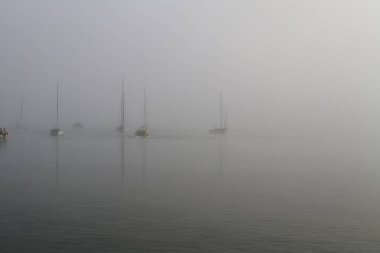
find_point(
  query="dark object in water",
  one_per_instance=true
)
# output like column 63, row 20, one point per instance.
column 3, row 133
column 56, row 132
column 142, row 132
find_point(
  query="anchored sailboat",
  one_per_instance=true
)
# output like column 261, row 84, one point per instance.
column 57, row 131
column 122, row 127
column 222, row 128
column 19, row 124
column 143, row 130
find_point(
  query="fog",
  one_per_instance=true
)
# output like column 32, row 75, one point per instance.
column 284, row 67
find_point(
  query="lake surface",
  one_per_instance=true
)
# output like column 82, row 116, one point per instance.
column 101, row 191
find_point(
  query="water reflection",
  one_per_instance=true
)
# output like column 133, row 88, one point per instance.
column 220, row 149
column 3, row 143
column 143, row 152
column 122, row 158
column 57, row 162
column 21, row 155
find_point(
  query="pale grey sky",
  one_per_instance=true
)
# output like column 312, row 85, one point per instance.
column 284, row 66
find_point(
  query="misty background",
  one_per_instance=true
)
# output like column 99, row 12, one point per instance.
column 285, row 67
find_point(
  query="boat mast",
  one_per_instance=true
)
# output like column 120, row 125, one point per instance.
column 225, row 119
column 122, row 107
column 22, row 100
column 221, row 110
column 57, row 104
column 145, row 117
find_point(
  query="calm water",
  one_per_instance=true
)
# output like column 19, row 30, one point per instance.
column 99, row 191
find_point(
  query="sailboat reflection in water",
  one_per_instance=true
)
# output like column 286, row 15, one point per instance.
column 221, row 141
column 57, row 161
column 122, row 158
column 3, row 143
column 144, row 171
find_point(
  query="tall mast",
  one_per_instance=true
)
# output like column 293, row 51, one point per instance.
column 57, row 104
column 221, row 109
column 122, row 106
column 225, row 119
column 22, row 100
column 145, row 117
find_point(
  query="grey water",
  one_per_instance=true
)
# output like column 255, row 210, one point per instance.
column 102, row 191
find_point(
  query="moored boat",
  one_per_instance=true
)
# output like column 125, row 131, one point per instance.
column 122, row 127
column 143, row 130
column 222, row 128
column 56, row 131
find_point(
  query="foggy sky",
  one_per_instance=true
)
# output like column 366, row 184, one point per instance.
column 293, row 66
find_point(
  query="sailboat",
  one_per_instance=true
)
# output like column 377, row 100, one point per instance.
column 19, row 124
column 122, row 127
column 143, row 130
column 56, row 131
column 222, row 128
